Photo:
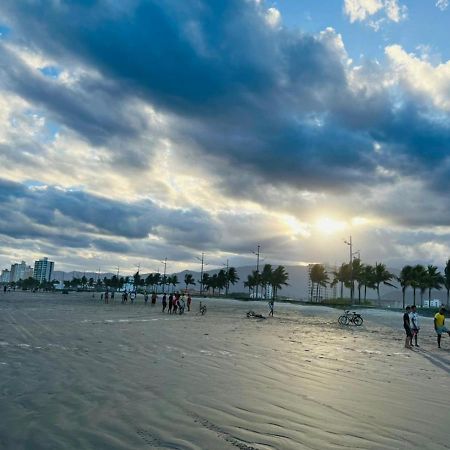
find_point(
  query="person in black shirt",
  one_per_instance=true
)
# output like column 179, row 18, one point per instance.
column 407, row 327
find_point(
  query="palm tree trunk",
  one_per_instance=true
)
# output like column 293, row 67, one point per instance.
column 365, row 292
column 378, row 294
column 414, row 301
column 403, row 296
column 342, row 289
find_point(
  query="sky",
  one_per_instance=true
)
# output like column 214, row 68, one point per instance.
column 137, row 130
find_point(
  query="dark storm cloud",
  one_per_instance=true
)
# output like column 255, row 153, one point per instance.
column 84, row 107
column 270, row 103
column 71, row 217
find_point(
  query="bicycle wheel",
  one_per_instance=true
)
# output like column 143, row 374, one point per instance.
column 358, row 321
column 343, row 320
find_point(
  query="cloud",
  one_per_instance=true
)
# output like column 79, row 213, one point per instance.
column 420, row 77
column 361, row 10
column 200, row 125
column 442, row 4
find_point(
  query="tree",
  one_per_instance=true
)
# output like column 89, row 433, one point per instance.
column 446, row 280
column 205, row 281
column 188, row 279
column 251, row 281
column 405, row 279
column 367, row 278
column 84, row 281
column 381, row 276
column 342, row 276
column 417, row 275
column 358, row 269
column 232, row 278
column 266, row 276
column 278, row 280
column 221, row 280
column 319, row 278
column 137, row 279
column 434, row 280
column 173, row 280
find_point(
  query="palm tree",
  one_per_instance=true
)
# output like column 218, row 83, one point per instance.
column 188, row 279
column 405, row 279
column 381, row 275
column 418, row 273
column 232, row 277
column 357, row 271
column 434, row 280
column 137, row 279
column 251, row 281
column 342, row 276
column 213, row 283
column 367, row 278
column 446, row 280
column 266, row 276
column 221, row 280
column 278, row 280
column 318, row 277
column 172, row 280
column 205, row 282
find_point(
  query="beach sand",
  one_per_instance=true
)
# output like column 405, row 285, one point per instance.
column 78, row 374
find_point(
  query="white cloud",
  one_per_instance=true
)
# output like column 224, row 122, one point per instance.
column 273, row 17
column 421, row 77
column 394, row 11
column 360, row 10
column 442, row 4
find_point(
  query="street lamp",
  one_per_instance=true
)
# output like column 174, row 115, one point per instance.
column 257, row 253
column 350, row 244
column 164, row 276
column 202, row 260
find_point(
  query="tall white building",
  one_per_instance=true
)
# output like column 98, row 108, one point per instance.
column 5, row 277
column 43, row 270
column 20, row 271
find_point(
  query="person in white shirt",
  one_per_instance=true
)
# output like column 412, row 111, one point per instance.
column 414, row 318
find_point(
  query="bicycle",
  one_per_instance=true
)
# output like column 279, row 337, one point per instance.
column 351, row 318
column 202, row 309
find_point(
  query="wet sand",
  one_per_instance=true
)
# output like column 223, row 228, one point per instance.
column 78, row 374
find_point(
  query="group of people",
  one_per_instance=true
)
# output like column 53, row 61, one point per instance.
column 411, row 326
column 174, row 303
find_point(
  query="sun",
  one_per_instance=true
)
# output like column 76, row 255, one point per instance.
column 329, row 226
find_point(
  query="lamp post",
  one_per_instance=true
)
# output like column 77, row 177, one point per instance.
column 226, row 273
column 350, row 244
column 202, row 260
column 257, row 253
column 164, row 276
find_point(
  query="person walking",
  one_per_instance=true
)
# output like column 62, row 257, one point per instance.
column 407, row 327
column 154, row 297
column 414, row 320
column 170, row 303
column 164, row 303
column 271, row 303
column 189, row 301
column 439, row 325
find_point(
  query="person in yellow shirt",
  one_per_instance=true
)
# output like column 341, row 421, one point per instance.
column 439, row 325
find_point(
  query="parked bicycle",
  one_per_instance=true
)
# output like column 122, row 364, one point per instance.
column 352, row 318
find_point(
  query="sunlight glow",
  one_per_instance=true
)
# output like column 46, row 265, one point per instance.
column 295, row 227
column 329, row 226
